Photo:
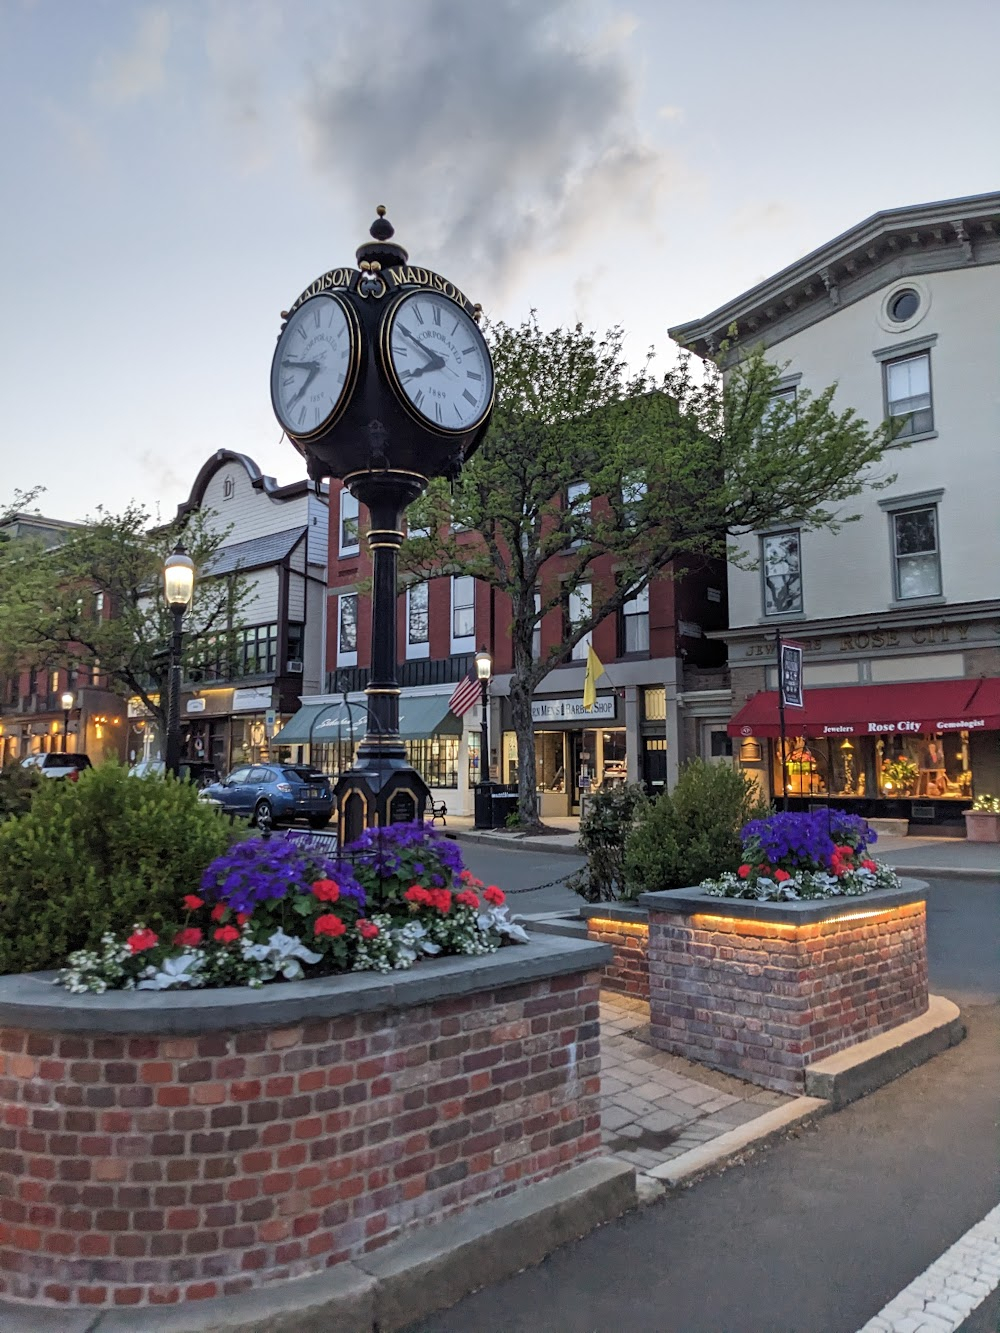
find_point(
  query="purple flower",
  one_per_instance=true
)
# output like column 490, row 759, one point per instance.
column 271, row 868
column 804, row 841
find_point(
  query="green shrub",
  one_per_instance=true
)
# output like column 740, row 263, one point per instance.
column 99, row 854
column 693, row 832
column 604, row 830
column 17, row 788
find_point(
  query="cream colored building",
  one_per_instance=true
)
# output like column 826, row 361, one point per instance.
column 899, row 613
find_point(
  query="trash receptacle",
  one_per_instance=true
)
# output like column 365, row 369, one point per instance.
column 504, row 804
column 483, row 806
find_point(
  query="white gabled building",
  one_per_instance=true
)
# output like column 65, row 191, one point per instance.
column 899, row 613
column 278, row 540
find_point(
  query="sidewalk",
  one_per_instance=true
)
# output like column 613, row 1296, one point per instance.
column 935, row 857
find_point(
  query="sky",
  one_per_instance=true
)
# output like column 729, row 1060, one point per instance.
column 175, row 174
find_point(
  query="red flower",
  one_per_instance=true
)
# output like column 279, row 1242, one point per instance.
column 142, row 939
column 329, row 925
column 743, row 871
column 218, row 911
column 420, row 897
column 188, row 937
column 226, row 934
column 764, row 868
column 781, row 876
column 494, row 895
column 467, row 898
column 242, row 918
column 441, row 899
column 326, row 890
column 870, row 865
column 368, row 930
column 192, row 902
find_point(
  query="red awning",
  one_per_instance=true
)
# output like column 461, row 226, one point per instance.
column 862, row 710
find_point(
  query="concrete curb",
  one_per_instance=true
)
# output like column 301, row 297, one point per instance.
column 947, row 872
column 514, row 843
column 384, row 1291
column 690, row 1166
column 848, row 1075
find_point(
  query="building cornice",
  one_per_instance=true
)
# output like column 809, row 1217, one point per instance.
column 894, row 244
column 791, row 630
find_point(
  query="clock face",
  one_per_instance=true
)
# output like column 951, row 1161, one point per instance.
column 439, row 362
column 315, row 365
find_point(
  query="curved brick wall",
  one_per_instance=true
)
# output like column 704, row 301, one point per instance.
column 149, row 1167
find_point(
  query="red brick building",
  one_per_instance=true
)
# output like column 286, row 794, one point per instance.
column 662, row 699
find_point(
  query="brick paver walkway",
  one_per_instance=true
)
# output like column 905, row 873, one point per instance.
column 657, row 1106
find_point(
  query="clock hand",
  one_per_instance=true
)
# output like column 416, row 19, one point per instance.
column 313, row 372
column 436, row 364
column 301, row 365
column 418, row 344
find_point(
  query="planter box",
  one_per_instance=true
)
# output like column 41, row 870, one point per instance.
column 762, row 990
column 626, row 931
column 982, row 826
column 172, row 1147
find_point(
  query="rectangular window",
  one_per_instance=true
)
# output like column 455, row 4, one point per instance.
column 417, row 621
column 578, row 505
column 781, row 564
column 463, row 609
column 635, row 623
column 347, row 629
column 54, row 682
column 350, row 527
column 916, row 557
column 296, row 642
column 908, row 393
column 777, row 398
column 578, row 611
column 633, row 491
column 536, row 633
column 98, row 604
column 257, row 650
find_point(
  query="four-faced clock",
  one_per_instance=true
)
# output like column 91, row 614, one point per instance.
column 315, row 365
column 438, row 362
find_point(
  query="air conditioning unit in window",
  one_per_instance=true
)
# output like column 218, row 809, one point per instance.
column 295, row 666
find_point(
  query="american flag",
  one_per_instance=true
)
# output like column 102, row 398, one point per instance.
column 467, row 693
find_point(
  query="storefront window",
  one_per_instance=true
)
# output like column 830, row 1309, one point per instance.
column 331, row 757
column 436, row 760
column 923, row 767
column 474, row 748
column 654, row 704
column 550, row 768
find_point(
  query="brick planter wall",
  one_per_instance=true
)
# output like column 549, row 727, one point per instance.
column 764, row 989
column 626, row 931
column 165, row 1148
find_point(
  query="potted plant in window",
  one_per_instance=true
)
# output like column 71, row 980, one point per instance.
column 982, row 822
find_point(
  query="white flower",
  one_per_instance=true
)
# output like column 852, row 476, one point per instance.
column 180, row 970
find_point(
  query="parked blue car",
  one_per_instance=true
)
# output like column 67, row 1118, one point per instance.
column 272, row 794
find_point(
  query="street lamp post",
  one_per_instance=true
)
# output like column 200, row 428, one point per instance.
column 178, row 587
column 67, row 704
column 484, row 804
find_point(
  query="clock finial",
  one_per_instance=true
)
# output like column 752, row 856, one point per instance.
column 382, row 249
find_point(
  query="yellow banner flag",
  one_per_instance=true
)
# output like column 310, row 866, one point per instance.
column 594, row 672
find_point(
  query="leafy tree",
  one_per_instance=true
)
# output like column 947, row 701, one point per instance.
column 670, row 471
column 49, row 600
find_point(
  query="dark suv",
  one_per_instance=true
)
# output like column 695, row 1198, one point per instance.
column 274, row 794
column 55, row 765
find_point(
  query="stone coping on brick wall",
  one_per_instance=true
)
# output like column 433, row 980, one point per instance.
column 34, row 1001
column 615, row 912
column 807, row 912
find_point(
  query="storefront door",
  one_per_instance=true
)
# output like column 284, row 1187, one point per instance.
column 583, row 759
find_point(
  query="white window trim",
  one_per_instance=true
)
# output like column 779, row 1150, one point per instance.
column 346, row 659
column 355, row 548
column 579, row 651
column 894, row 510
column 792, row 612
column 415, row 651
column 465, row 643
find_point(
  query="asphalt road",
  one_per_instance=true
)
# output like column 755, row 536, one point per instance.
column 515, row 870
column 817, row 1233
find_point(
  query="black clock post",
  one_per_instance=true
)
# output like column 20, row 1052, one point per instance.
column 382, row 378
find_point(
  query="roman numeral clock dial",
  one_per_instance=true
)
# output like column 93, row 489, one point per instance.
column 438, row 362
column 315, row 365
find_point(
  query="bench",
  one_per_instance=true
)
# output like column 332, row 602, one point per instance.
column 439, row 810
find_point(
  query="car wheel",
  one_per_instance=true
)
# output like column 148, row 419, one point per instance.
column 318, row 822
column 263, row 815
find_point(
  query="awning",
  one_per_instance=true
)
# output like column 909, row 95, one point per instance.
column 319, row 722
column 424, row 716
column 862, row 710
column 420, row 718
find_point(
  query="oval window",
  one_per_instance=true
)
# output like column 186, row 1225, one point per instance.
column 904, row 305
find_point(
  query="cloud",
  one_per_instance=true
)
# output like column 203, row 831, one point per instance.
column 138, row 70
column 671, row 113
column 492, row 131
